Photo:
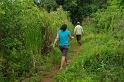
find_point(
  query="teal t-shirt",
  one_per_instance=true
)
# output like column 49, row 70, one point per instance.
column 63, row 37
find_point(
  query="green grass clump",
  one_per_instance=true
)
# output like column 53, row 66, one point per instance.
column 99, row 60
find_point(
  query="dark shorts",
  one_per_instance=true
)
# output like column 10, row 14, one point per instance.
column 78, row 37
column 64, row 50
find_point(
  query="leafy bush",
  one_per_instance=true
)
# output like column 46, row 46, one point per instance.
column 20, row 42
column 109, row 19
column 26, row 33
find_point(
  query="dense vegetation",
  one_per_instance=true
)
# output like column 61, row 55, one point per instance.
column 78, row 9
column 102, row 56
column 26, row 33
column 28, row 29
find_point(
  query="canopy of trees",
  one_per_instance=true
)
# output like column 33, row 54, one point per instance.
column 78, row 9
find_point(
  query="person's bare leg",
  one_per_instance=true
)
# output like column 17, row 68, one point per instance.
column 62, row 62
column 65, row 59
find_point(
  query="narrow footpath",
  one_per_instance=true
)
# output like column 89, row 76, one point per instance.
column 55, row 70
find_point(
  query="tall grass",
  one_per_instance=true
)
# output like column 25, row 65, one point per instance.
column 26, row 33
column 101, row 59
column 107, row 20
column 52, row 22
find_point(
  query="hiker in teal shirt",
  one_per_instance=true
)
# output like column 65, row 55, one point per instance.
column 62, row 38
column 63, row 41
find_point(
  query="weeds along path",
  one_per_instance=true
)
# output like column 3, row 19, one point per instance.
column 74, row 50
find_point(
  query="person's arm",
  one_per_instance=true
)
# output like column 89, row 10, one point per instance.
column 56, row 39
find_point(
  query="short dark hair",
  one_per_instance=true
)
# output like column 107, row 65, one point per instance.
column 63, row 27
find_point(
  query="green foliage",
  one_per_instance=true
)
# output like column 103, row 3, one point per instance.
column 55, row 56
column 20, row 39
column 80, row 9
column 49, row 5
column 107, row 20
column 122, row 3
column 26, row 33
column 1, row 11
column 60, row 2
column 106, row 59
column 52, row 22
column 101, row 59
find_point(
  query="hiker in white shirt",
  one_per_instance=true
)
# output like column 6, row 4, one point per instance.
column 78, row 31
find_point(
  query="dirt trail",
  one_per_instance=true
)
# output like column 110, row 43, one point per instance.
column 55, row 69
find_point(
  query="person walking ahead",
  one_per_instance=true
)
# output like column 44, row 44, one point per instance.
column 78, row 30
column 62, row 38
